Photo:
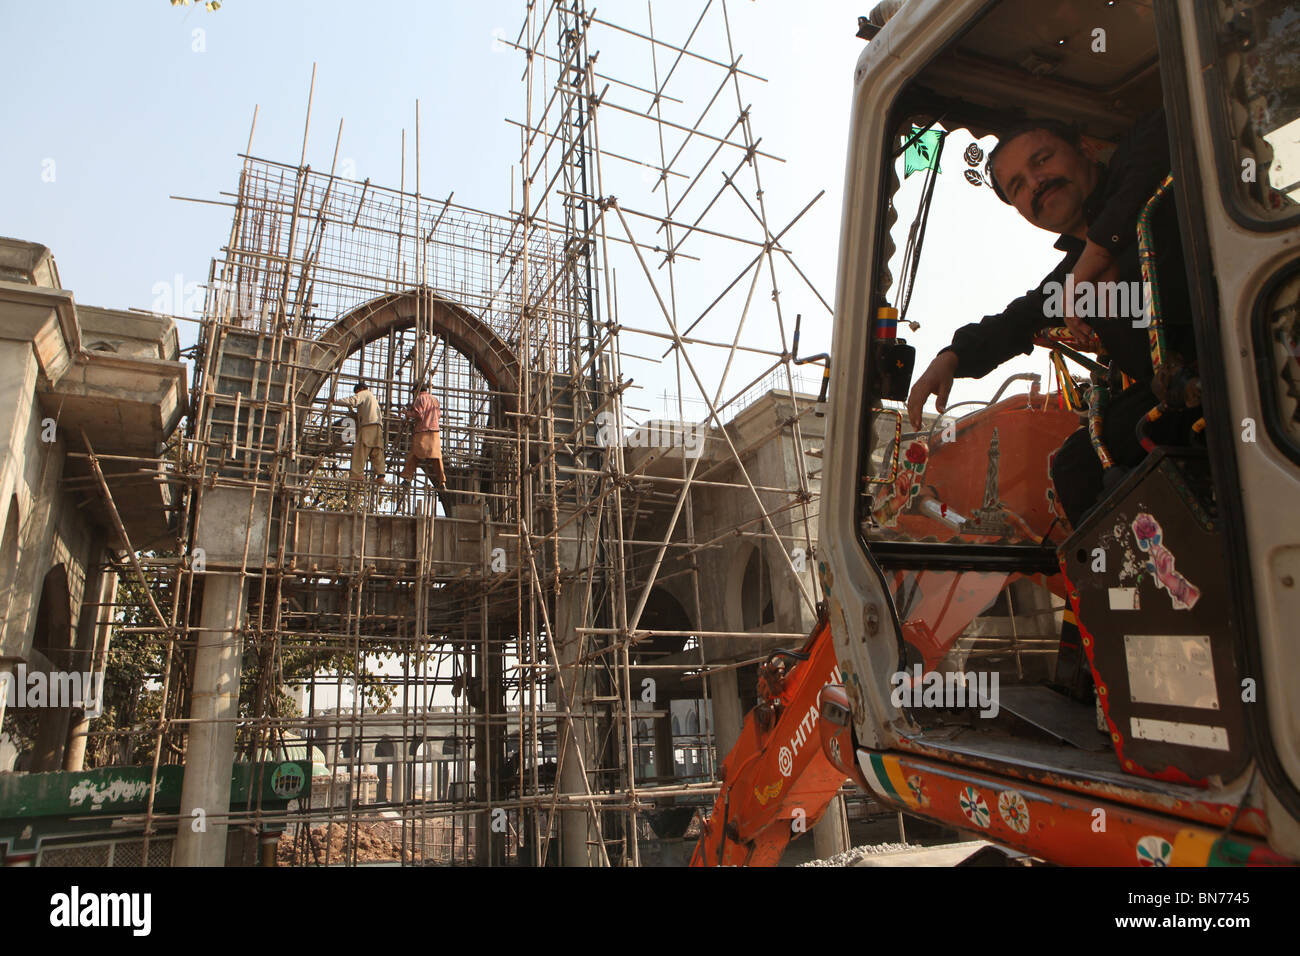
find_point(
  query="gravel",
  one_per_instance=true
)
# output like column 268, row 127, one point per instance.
column 852, row 856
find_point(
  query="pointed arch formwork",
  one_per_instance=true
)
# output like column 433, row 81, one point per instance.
column 463, row 331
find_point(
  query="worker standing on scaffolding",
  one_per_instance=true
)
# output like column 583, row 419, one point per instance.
column 426, row 441
column 370, row 432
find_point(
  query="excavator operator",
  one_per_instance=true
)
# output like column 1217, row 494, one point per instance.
column 1049, row 172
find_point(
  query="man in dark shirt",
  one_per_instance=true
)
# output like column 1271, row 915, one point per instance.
column 1046, row 172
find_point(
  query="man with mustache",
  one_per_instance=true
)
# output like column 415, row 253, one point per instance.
column 1046, row 170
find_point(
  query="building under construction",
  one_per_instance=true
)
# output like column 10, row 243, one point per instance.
column 542, row 662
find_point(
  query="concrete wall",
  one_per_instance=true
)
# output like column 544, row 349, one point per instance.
column 768, row 450
column 51, row 529
column 51, row 388
column 765, row 439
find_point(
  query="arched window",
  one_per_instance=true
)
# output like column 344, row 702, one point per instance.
column 54, row 618
column 756, row 604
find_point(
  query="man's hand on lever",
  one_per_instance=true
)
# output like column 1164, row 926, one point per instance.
column 935, row 380
column 1095, row 264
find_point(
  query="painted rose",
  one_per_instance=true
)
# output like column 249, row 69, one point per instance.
column 1146, row 529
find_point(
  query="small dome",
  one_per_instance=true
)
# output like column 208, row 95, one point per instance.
column 295, row 748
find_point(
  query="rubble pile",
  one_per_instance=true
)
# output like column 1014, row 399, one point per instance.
column 851, row 857
column 371, row 847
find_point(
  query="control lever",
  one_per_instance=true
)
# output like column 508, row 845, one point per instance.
column 808, row 360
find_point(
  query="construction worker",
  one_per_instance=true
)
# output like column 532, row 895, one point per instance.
column 370, row 432
column 426, row 441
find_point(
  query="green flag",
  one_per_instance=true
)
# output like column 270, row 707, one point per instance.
column 924, row 152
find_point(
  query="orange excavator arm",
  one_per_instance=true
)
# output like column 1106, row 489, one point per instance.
column 777, row 780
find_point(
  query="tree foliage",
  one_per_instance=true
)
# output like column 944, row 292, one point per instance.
column 132, row 682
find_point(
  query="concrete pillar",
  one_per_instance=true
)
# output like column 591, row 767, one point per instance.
column 270, row 845
column 7, row 679
column 728, row 715
column 831, row 834
column 577, row 833
column 489, row 754
column 57, row 596
column 218, row 662
column 399, row 773
column 574, row 824
column 665, row 759
column 95, row 634
column 74, row 754
column 51, row 735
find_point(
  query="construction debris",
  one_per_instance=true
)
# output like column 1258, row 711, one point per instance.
column 366, row 846
column 854, row 855
column 904, row 854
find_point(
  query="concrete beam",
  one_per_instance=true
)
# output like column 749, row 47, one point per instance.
column 47, row 319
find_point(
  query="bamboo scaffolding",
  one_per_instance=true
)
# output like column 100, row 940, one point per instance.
column 444, row 605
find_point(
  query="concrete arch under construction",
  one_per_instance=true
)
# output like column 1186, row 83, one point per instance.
column 412, row 308
column 463, row 361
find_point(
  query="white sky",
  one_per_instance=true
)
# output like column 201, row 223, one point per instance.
column 125, row 104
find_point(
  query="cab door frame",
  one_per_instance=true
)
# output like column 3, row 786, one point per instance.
column 1230, row 264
